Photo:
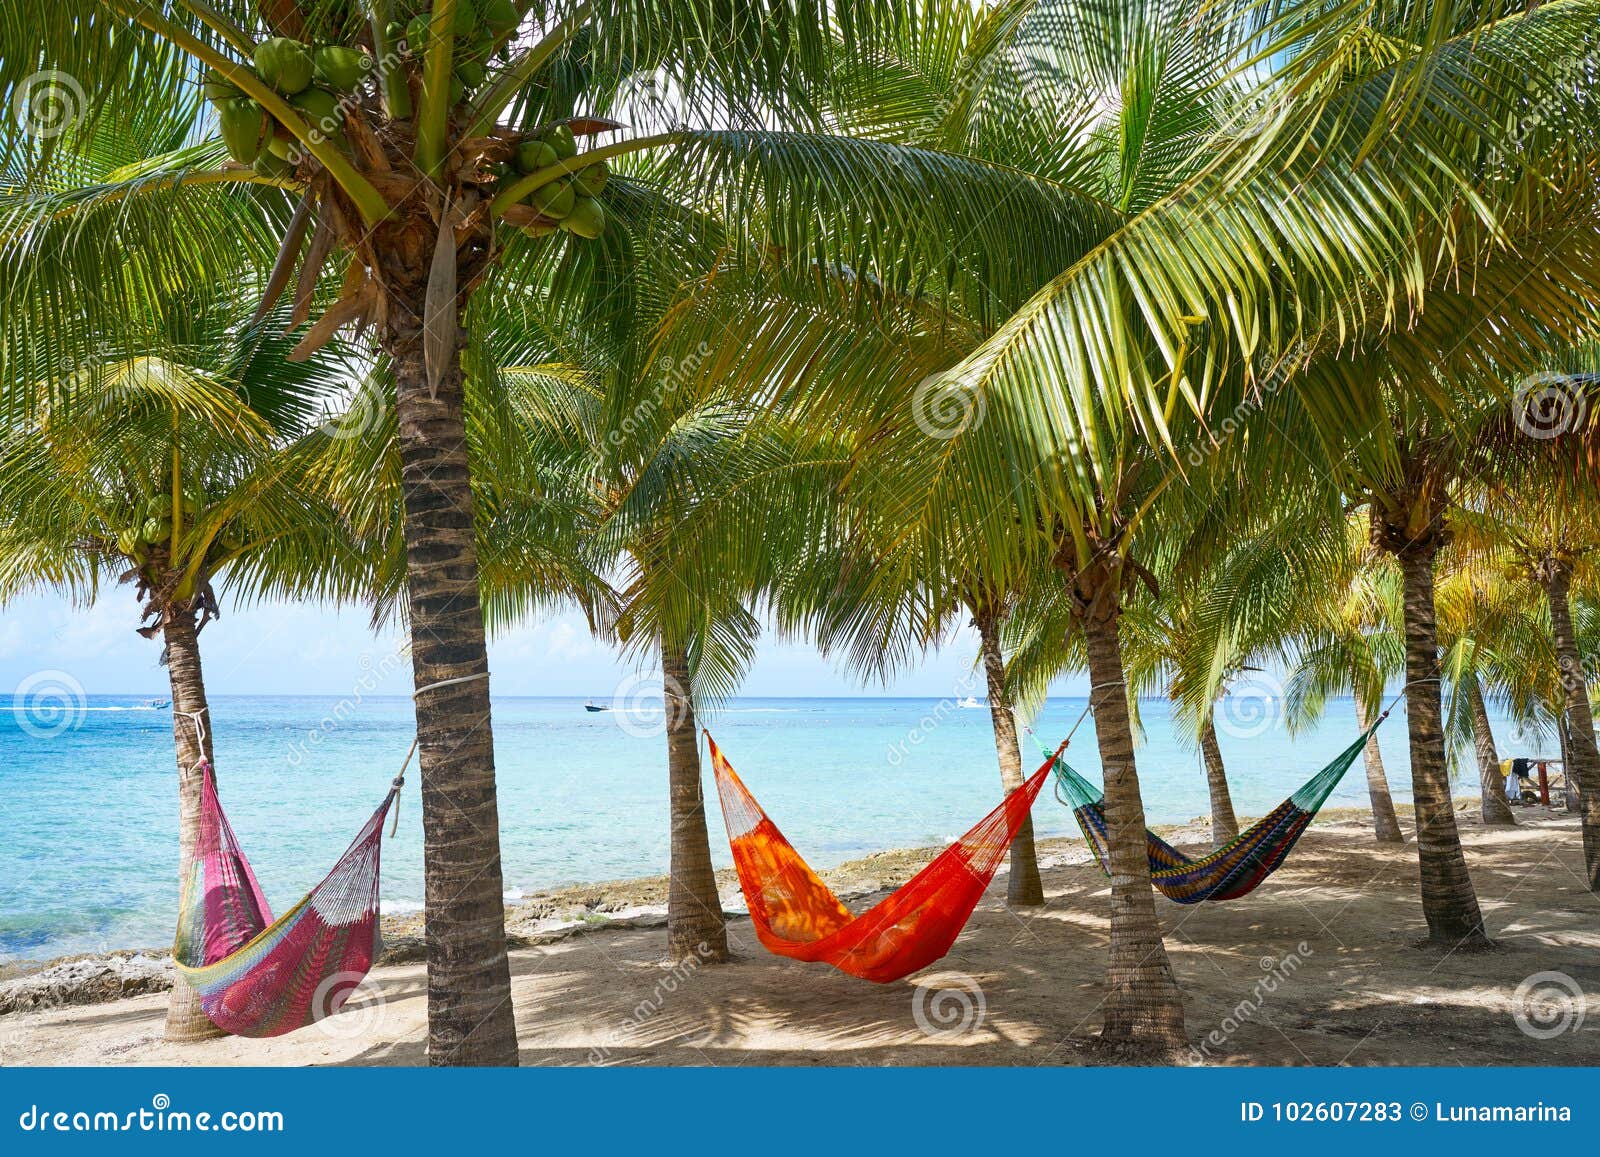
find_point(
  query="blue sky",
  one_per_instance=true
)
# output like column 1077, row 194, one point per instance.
column 282, row 648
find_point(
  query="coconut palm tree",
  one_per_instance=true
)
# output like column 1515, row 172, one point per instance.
column 1094, row 379
column 394, row 180
column 1540, row 519
column 1157, row 311
column 1304, row 589
column 172, row 471
column 1496, row 642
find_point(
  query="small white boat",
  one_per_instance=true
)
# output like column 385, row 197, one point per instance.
column 157, row 704
column 969, row 701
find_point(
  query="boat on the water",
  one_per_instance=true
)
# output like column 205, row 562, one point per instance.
column 157, row 704
column 593, row 706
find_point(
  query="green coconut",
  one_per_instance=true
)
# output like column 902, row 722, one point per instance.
column 285, row 147
column 219, row 88
column 554, row 200
column 535, row 155
column 245, row 128
column 269, row 164
column 593, row 179
column 339, row 67
column 466, row 18
column 500, row 16
column 470, row 73
column 284, row 64
column 418, row 33
column 322, row 110
column 563, row 142
column 587, row 219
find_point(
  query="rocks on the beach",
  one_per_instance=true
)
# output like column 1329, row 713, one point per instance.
column 88, row 980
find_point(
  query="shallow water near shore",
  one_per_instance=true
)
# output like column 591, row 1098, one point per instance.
column 88, row 844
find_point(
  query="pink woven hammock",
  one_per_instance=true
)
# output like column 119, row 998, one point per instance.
column 261, row 977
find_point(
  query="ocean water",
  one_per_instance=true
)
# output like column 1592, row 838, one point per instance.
column 88, row 843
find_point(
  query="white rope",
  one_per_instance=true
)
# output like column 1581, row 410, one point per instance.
column 400, row 782
column 449, row 682
column 199, row 735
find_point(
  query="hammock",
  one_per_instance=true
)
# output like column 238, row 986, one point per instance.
column 1235, row 868
column 796, row 915
column 258, row 977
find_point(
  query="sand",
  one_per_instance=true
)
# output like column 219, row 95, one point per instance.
column 1319, row 966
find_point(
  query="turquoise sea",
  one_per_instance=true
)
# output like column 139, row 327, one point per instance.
column 88, row 845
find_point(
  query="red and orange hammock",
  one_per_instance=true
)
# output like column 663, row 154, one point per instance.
column 796, row 915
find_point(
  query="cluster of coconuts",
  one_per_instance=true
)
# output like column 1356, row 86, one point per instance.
column 570, row 201
column 312, row 78
column 317, row 80
column 476, row 29
column 150, row 524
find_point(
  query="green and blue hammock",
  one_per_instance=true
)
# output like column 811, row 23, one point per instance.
column 1230, row 871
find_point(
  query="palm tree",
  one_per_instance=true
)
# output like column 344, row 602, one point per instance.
column 1161, row 637
column 396, row 192
column 1101, row 370
column 1541, row 517
column 173, row 472
column 1496, row 639
column 1306, row 590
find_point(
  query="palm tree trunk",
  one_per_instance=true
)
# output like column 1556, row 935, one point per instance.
column 1385, row 824
column 1583, row 766
column 1448, row 900
column 1224, row 826
column 1491, row 780
column 470, row 1018
column 695, row 926
column 1143, row 1004
column 1572, row 798
column 1023, row 887
column 186, row 1020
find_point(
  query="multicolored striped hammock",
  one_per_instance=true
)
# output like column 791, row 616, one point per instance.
column 796, row 915
column 260, row 977
column 1235, row 868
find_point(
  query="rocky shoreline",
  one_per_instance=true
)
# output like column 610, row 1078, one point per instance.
column 541, row 918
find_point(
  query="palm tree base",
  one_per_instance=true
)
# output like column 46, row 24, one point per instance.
column 186, row 1020
column 1470, row 942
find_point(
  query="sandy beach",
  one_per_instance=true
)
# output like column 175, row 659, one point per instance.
column 1319, row 966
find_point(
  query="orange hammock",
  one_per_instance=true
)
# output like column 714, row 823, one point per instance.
column 797, row 916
